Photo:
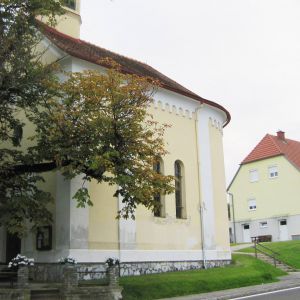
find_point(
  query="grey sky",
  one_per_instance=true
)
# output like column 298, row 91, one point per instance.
column 243, row 54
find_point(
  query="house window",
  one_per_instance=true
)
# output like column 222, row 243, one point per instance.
column 159, row 198
column 70, row 4
column 273, row 172
column 282, row 222
column 253, row 174
column 263, row 224
column 179, row 199
column 252, row 204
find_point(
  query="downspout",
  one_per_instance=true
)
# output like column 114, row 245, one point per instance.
column 201, row 208
column 233, row 217
column 119, row 230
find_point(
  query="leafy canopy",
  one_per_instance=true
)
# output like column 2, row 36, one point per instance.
column 100, row 127
column 93, row 124
column 22, row 89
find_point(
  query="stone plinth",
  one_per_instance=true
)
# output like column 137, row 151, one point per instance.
column 113, row 274
column 70, row 278
column 23, row 277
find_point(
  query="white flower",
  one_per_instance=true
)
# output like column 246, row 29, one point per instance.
column 112, row 261
column 67, row 260
column 21, row 260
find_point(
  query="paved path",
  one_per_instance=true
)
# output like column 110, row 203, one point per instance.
column 239, row 247
column 287, row 281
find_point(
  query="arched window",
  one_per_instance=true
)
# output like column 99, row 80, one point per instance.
column 160, row 210
column 179, row 186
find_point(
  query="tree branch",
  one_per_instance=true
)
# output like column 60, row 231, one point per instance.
column 49, row 166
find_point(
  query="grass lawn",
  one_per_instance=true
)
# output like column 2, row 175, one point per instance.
column 250, row 249
column 289, row 251
column 244, row 270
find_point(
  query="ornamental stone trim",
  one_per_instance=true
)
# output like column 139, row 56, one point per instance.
column 177, row 110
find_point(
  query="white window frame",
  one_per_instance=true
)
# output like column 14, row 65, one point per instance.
column 253, row 175
column 273, row 172
column 263, row 224
column 252, row 204
column 283, row 220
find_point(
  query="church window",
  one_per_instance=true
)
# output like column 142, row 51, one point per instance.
column 159, row 197
column 179, row 195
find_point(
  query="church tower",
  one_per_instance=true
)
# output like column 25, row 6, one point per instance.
column 70, row 22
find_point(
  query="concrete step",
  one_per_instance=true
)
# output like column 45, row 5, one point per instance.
column 279, row 265
column 45, row 294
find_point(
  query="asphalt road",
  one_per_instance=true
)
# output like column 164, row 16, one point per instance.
column 286, row 294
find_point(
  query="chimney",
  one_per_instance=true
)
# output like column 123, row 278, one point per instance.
column 280, row 135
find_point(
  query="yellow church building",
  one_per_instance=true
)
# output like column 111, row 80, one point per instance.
column 190, row 230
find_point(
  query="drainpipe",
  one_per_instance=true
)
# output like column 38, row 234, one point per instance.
column 201, row 208
column 202, row 235
column 233, row 217
column 119, row 229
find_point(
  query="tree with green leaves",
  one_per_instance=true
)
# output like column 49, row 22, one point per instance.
column 91, row 124
column 22, row 88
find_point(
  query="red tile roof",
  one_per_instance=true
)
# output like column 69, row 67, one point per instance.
column 271, row 146
column 89, row 52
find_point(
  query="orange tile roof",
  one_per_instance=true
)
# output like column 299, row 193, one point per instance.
column 92, row 53
column 271, row 146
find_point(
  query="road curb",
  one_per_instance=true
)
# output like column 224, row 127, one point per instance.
column 242, row 292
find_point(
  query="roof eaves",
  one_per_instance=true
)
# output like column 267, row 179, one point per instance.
column 292, row 163
column 262, row 158
column 71, row 51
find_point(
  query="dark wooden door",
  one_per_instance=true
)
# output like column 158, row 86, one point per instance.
column 13, row 246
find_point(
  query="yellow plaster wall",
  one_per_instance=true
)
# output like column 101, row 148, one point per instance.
column 28, row 131
column 154, row 233
column 169, row 232
column 49, row 186
column 219, row 188
column 69, row 23
column 50, row 183
column 274, row 196
column 103, row 226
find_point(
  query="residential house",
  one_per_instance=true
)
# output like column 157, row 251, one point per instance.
column 189, row 232
column 264, row 193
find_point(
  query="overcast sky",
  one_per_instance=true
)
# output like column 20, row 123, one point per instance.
column 242, row 54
